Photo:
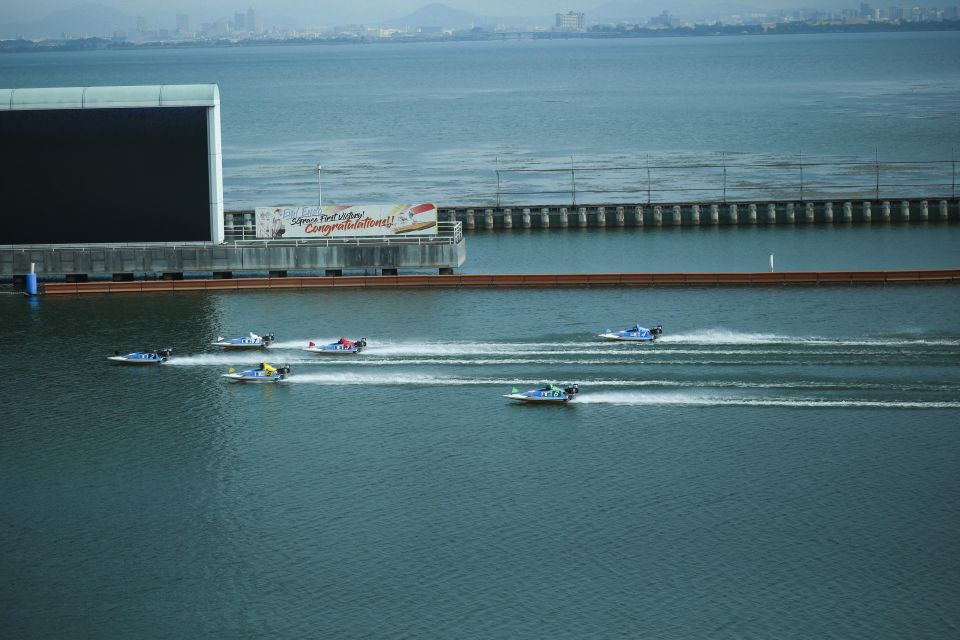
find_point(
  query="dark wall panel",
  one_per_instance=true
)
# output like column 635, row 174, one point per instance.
column 104, row 175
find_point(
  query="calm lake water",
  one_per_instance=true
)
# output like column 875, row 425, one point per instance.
column 782, row 464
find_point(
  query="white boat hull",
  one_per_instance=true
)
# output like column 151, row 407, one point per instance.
column 519, row 397
column 613, row 336
column 240, row 347
column 331, row 352
column 134, row 361
column 236, row 377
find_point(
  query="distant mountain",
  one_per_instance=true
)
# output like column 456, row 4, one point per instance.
column 440, row 15
column 85, row 19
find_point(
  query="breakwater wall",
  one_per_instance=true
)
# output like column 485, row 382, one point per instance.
column 807, row 278
column 682, row 214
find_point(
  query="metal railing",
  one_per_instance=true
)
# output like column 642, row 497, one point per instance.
column 729, row 178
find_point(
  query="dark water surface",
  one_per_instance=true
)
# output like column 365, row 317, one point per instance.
column 782, row 464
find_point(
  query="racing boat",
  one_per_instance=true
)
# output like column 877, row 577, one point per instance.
column 551, row 394
column 252, row 341
column 263, row 374
column 634, row 334
column 341, row 347
column 156, row 356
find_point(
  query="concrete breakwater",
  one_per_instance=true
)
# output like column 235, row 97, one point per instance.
column 803, row 278
column 705, row 214
column 684, row 214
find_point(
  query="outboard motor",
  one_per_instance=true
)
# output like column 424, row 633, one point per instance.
column 657, row 330
column 268, row 338
column 164, row 353
column 572, row 390
column 361, row 343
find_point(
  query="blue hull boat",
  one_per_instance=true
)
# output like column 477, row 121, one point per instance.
column 634, row 334
column 156, row 356
column 264, row 374
column 341, row 347
column 549, row 394
column 252, row 341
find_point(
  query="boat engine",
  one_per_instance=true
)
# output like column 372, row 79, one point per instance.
column 572, row 390
column 361, row 343
column 657, row 330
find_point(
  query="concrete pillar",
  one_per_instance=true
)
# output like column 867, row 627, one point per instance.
column 564, row 221
column 677, row 215
column 488, row 219
column 808, row 214
column 772, row 213
column 226, row 275
column 752, row 213
column 885, row 211
column 582, row 217
column 638, row 216
column 125, row 277
column 924, row 211
column 601, row 217
column 525, row 219
column 452, row 215
column 791, row 214
column 848, row 212
column 657, row 216
column 508, row 218
column 173, row 275
column 828, row 212
column 905, row 211
column 695, row 214
column 620, row 217
column 331, row 272
column 733, row 214
column 78, row 277
column 388, row 271
column 944, row 211
column 867, row 213
column 471, row 219
column 714, row 214
column 545, row 217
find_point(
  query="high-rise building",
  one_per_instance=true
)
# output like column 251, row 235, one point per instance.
column 570, row 21
column 183, row 23
column 254, row 25
column 141, row 23
column 239, row 21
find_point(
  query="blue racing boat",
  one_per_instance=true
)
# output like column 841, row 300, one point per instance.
column 251, row 341
column 156, row 356
column 263, row 374
column 341, row 347
column 634, row 334
column 549, row 394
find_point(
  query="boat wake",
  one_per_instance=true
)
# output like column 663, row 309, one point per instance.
column 727, row 337
column 688, row 399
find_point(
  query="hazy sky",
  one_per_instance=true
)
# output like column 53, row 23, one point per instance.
column 330, row 11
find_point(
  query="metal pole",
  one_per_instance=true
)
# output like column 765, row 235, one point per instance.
column 648, row 178
column 953, row 179
column 573, row 187
column 498, row 182
column 876, row 161
column 801, row 176
column 319, row 186
column 723, row 158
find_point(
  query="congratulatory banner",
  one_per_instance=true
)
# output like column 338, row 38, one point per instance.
column 338, row 221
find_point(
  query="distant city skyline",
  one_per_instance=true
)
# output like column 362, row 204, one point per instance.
column 328, row 12
column 240, row 20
